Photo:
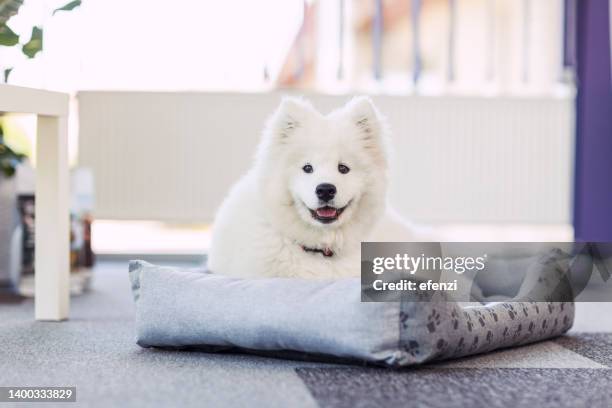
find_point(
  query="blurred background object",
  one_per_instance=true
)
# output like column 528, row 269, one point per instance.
column 593, row 167
column 10, row 232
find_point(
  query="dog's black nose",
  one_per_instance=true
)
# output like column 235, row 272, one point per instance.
column 325, row 191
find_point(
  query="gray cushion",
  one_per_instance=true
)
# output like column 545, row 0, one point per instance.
column 186, row 309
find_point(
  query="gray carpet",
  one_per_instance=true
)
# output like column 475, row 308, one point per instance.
column 95, row 351
column 459, row 388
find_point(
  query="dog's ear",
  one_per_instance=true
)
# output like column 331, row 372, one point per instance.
column 365, row 117
column 289, row 116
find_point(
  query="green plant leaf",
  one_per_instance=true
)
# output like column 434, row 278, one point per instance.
column 7, row 73
column 9, row 159
column 7, row 170
column 8, row 36
column 68, row 6
column 8, row 8
column 35, row 45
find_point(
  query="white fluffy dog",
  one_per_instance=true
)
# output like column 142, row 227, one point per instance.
column 317, row 190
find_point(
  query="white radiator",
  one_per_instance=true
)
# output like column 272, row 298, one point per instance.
column 172, row 156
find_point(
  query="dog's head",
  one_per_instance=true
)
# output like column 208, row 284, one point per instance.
column 326, row 169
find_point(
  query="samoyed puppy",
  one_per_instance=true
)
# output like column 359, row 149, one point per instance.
column 317, row 189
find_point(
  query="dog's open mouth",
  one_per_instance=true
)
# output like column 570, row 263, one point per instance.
column 327, row 214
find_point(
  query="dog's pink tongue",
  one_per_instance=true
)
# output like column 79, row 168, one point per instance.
column 326, row 212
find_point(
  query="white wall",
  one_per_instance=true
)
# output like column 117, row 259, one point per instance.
column 172, row 156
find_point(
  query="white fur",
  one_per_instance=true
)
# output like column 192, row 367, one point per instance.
column 263, row 223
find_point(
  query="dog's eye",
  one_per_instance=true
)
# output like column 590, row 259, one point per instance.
column 307, row 168
column 343, row 169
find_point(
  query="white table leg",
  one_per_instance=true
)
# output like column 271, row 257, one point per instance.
column 52, row 279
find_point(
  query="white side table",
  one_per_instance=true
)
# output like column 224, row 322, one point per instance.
column 52, row 279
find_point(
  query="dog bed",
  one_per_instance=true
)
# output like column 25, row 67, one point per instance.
column 189, row 309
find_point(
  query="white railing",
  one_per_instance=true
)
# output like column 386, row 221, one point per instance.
column 172, row 156
column 474, row 47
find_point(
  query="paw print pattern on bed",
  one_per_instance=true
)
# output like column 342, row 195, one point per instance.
column 452, row 330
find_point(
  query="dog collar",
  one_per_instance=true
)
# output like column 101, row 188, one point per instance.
column 325, row 251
